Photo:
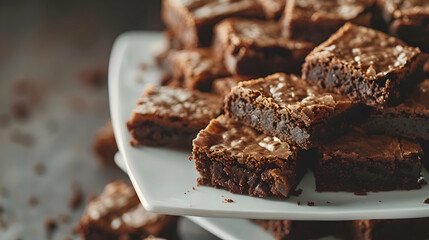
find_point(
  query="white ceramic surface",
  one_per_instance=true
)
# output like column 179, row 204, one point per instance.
column 164, row 179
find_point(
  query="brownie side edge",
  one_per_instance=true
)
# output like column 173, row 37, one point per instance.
column 271, row 180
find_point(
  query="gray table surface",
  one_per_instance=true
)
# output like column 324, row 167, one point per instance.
column 52, row 49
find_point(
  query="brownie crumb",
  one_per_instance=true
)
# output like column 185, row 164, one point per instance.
column 193, row 188
column 310, row 204
column 379, row 200
column 64, row 218
column 33, row 201
column 143, row 66
column 328, row 202
column 39, row 168
column 361, row 193
column 50, row 225
column 297, row 192
column 299, row 203
column 20, row 110
column 426, row 201
column 95, row 77
column 4, row 121
column 190, row 158
column 77, row 197
column 228, row 200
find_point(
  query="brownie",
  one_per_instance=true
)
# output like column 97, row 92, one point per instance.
column 171, row 116
column 288, row 230
column 240, row 159
column 395, row 229
column 315, row 21
column 104, row 145
column 408, row 20
column 364, row 64
column 409, row 119
column 118, row 214
column 273, row 9
column 288, row 108
column 194, row 69
column 192, row 21
column 357, row 162
column 222, row 86
column 256, row 47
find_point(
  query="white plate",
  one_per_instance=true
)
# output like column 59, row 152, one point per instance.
column 164, row 178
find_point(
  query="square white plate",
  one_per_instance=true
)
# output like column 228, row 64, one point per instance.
column 164, row 179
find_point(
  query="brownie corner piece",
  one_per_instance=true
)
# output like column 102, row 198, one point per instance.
column 171, row 117
column 288, row 108
column 192, row 21
column 242, row 160
column 117, row 213
column 315, row 21
column 256, row 48
column 364, row 64
column 357, row 162
column 194, row 69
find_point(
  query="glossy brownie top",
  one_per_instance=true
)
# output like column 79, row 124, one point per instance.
column 208, row 9
column 406, row 8
column 373, row 53
column 196, row 62
column 282, row 91
column 242, row 143
column 180, row 103
column 357, row 145
column 252, row 32
column 330, row 9
column 119, row 206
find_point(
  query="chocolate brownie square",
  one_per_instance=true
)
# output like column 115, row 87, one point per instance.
column 288, row 108
column 357, row 162
column 104, row 145
column 364, row 64
column 194, row 69
column 118, row 214
column 409, row 119
column 273, row 8
column 192, row 21
column 255, row 47
column 408, row 20
column 242, row 160
column 315, row 21
column 392, row 229
column 222, row 86
column 288, row 230
column 171, row 117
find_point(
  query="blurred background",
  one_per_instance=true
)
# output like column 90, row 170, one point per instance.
column 53, row 99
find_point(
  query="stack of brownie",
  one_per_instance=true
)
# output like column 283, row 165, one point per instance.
column 269, row 89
